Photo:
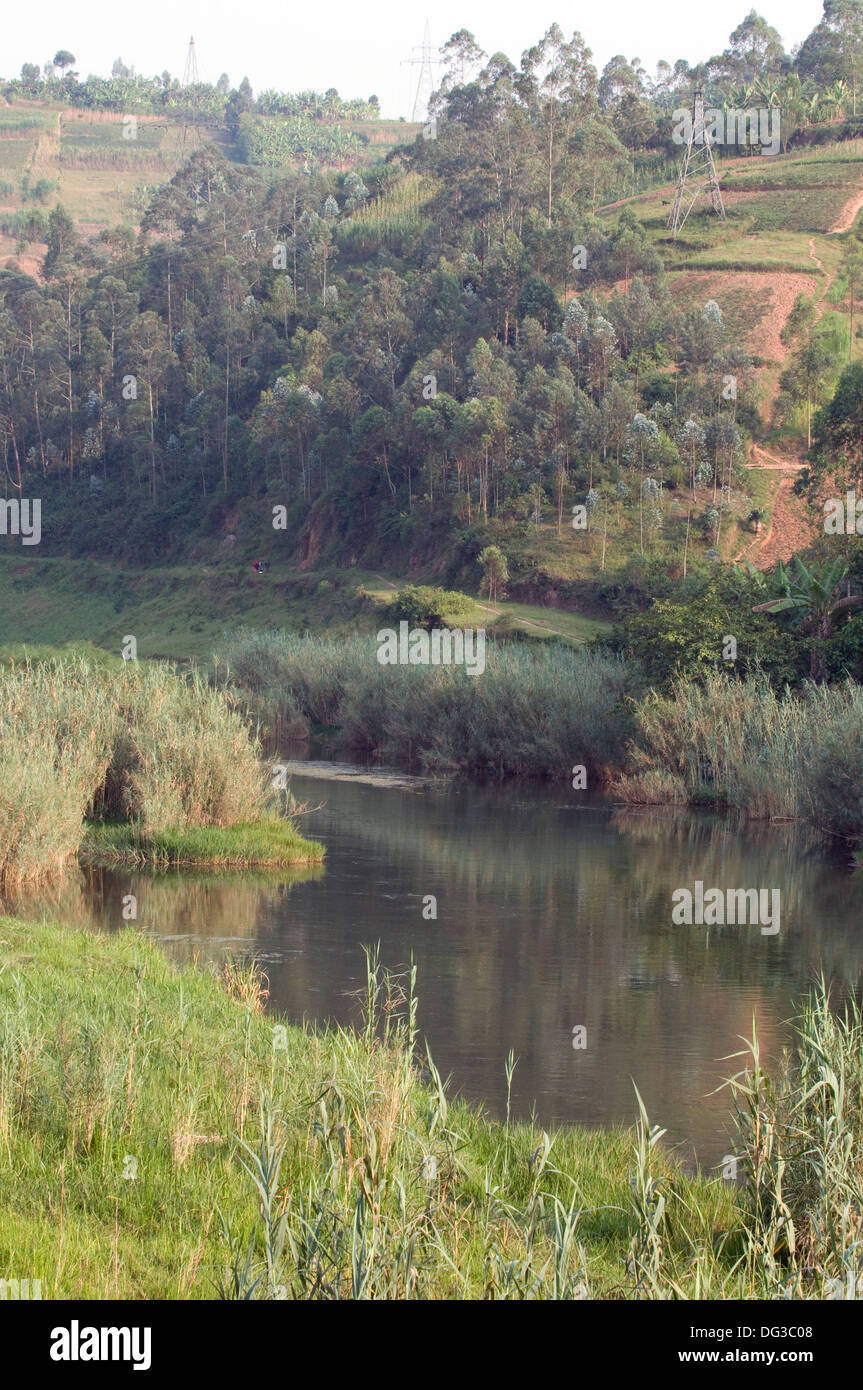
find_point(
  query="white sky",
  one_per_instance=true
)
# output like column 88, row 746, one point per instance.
column 358, row 48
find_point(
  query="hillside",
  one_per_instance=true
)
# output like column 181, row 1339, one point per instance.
column 401, row 354
column 779, row 242
column 86, row 160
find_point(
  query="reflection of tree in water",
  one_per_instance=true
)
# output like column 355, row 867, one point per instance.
column 59, row 898
column 217, row 910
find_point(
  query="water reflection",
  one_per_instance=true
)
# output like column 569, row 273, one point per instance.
column 551, row 914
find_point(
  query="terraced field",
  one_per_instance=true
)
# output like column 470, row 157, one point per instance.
column 102, row 169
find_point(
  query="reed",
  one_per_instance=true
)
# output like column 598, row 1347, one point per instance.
column 166, row 754
column 533, row 712
column 740, row 744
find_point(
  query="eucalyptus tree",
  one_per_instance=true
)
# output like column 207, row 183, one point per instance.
column 834, row 48
column 558, row 85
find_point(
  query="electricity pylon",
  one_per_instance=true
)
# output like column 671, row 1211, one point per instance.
column 425, row 86
column 190, row 71
column 190, row 82
column 697, row 172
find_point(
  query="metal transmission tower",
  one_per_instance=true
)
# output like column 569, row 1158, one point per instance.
column 190, row 82
column 190, row 71
column 423, row 57
column 697, row 172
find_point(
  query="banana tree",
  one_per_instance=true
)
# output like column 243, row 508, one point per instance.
column 837, row 98
column 812, row 592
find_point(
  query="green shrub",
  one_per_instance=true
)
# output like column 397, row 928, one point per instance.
column 422, row 606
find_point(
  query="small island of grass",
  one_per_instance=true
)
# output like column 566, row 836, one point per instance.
column 268, row 843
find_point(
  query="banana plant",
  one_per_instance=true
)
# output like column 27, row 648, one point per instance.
column 812, row 592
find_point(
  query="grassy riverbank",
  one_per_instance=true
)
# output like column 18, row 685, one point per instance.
column 162, row 1137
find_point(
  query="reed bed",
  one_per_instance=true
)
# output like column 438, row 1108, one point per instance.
column 533, row 712
column 139, row 744
column 739, row 744
column 198, row 1146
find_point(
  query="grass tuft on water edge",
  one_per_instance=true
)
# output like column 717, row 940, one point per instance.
column 262, row 844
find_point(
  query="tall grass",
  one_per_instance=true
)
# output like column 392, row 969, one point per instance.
column 143, row 161
column 534, row 712
column 141, row 743
column 384, row 221
column 195, row 1144
column 800, row 1137
column 57, row 731
column 739, row 744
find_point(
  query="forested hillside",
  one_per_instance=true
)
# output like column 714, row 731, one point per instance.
column 489, row 337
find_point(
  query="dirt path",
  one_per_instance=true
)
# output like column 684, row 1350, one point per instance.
column 848, row 216
column 528, row 622
column 487, row 608
column 789, row 522
column 757, row 456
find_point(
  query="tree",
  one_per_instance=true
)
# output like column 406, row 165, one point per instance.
column 804, row 378
column 495, row 573
column 682, row 638
column 692, row 440
column 420, row 605
column 835, row 46
column 623, row 97
column 754, row 50
column 838, row 426
column 63, row 59
column 149, row 357
column 462, row 56
column 558, row 84
column 642, row 436
column 852, row 284
column 539, row 301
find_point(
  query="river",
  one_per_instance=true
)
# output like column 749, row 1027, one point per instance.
column 553, row 914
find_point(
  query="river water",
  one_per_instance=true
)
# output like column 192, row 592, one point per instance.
column 553, row 914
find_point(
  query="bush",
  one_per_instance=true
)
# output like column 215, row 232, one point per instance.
column 685, row 640
column 422, row 606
